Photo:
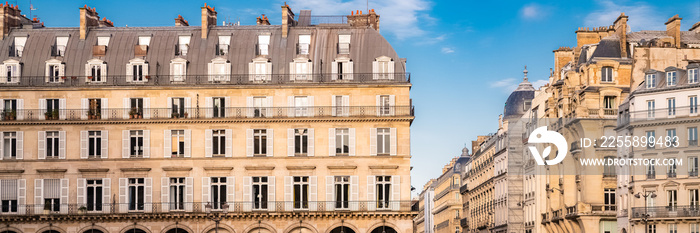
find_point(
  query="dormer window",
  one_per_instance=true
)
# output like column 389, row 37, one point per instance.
column 693, row 75
column 300, row 69
column 59, row 49
column 183, row 45
column 100, row 49
column 671, row 79
column 342, row 69
column 383, row 68
column 141, row 49
column 344, row 44
column 137, row 70
column 103, row 40
column 144, row 40
column 219, row 70
column 222, row 47
column 95, row 71
column 10, row 71
column 304, row 44
column 54, row 71
column 650, row 80
column 606, row 74
column 18, row 48
column 263, row 45
column 260, row 70
column 178, row 69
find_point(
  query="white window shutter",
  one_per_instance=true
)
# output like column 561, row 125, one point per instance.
column 123, row 188
column 371, row 197
column 103, row 71
column 292, row 71
column 311, row 110
column 209, row 107
column 251, row 72
column 331, row 142
column 270, row 142
column 47, row 72
column 313, row 193
column 393, row 139
column 348, row 68
column 395, row 193
column 228, row 71
column 22, row 195
column 42, row 109
column 105, row 144
column 290, row 142
column 228, row 109
column 62, row 144
column 148, row 194
column 145, row 70
column 230, row 192
column 167, row 144
column 164, row 191
column 206, row 187
column 188, row 106
column 188, row 143
column 392, row 104
column 354, row 192
column 379, row 105
column 104, row 111
column 247, row 192
column 146, row 143
column 189, row 193
column 346, row 105
column 38, row 195
column 271, row 193
column 81, row 192
column 169, row 104
column 311, row 145
column 62, row 109
column 268, row 74
column 20, row 106
column 249, row 142
column 330, row 193
column 334, row 70
column 249, row 106
column 42, row 145
column 83, row 144
column 208, row 143
column 147, row 108
column 172, row 70
column 210, row 72
column 288, row 193
column 290, row 106
column 83, row 108
column 126, row 108
column 333, row 105
column 391, row 69
column 64, row 196
column 269, row 106
column 2, row 150
column 20, row 145
column 351, row 141
column 129, row 72
column 375, row 70
column 62, row 73
column 126, row 143
column 106, row 194
column 229, row 143
column 373, row 141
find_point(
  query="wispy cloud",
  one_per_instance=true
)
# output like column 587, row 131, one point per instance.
column 539, row 83
column 502, row 83
column 642, row 15
column 447, row 50
column 399, row 17
column 532, row 11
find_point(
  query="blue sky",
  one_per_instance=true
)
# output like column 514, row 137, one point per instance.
column 465, row 56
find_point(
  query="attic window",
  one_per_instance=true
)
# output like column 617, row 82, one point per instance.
column 650, row 81
column 263, row 44
column 344, row 44
column 607, row 74
column 671, row 79
column 303, row 46
column 103, row 40
column 183, row 45
column 60, row 48
column 19, row 46
column 144, row 40
column 222, row 47
column 693, row 75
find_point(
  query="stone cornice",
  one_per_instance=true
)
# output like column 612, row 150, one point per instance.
column 210, row 121
column 135, row 169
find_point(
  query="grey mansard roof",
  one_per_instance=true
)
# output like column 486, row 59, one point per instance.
column 366, row 45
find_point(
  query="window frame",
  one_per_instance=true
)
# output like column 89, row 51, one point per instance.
column 607, row 74
column 300, row 192
column 260, row 184
column 671, row 78
column 650, row 80
column 260, row 142
column 94, row 144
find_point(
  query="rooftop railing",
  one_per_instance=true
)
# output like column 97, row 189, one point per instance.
column 666, row 212
column 206, row 80
column 663, row 113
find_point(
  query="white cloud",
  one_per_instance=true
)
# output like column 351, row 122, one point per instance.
column 503, row 83
column 531, row 11
column 539, row 83
column 447, row 50
column 399, row 17
column 641, row 16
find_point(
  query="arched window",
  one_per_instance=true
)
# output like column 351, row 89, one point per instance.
column 384, row 229
column 135, row 230
column 95, row 70
column 342, row 229
column 93, row 231
column 177, row 230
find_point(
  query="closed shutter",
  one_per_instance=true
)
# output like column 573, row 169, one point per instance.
column 311, row 109
column 148, row 194
column 172, row 71
column 188, row 143
column 334, row 70
column 375, row 70
column 229, row 143
column 348, row 68
column 271, row 206
column 2, row 145
column 129, row 72
column 287, row 193
column 83, row 144
column 391, row 70
column 371, row 197
column 21, row 111
column 311, row 149
column 292, row 71
column 230, row 192
column 333, row 105
column 249, row 142
column 188, row 106
column 38, row 195
column 331, row 142
column 208, row 107
column 393, row 138
column 103, row 71
column 228, row 71
column 351, row 141
column 207, row 143
column 145, row 70
column 206, row 187
column 354, row 193
column 169, row 105
column 123, row 202
column 126, row 107
column 22, row 195
column 249, row 106
column 330, row 193
column 313, row 193
column 83, row 108
column 106, row 193
column 105, row 144
column 392, row 104
column 164, row 191
column 210, row 72
column 81, row 192
column 290, row 142
column 105, row 108
column 378, row 105
column 62, row 109
column 228, row 109
column 146, row 143
column 251, row 72
column 41, row 142
column 270, row 142
column 395, row 193
column 147, row 108
column 62, row 144
column 167, row 144
column 373, row 141
column 189, row 193
column 247, row 192
column 20, row 145
column 62, row 74
column 125, row 144
column 290, row 106
column 346, row 105
column 268, row 74
column 88, row 72
column 268, row 102
column 42, row 108
column 64, row 196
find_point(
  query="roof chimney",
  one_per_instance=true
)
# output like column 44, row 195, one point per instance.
column 9, row 18
column 695, row 28
column 359, row 19
column 179, row 21
column 673, row 29
column 620, row 26
column 287, row 19
column 208, row 19
column 88, row 18
column 262, row 20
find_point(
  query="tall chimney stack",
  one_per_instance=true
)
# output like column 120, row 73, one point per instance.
column 88, row 18
column 287, row 19
column 208, row 19
column 9, row 17
column 179, row 21
column 620, row 26
column 673, row 29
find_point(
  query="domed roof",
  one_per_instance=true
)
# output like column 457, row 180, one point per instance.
column 519, row 100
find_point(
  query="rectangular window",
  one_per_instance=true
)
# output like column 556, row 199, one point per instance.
column 136, row 194
column 177, row 193
column 136, row 106
column 693, row 136
column 52, row 195
column 218, row 141
column 672, row 228
column 304, row 42
column 219, row 106
column 383, row 191
column 261, row 71
column 651, row 228
column 609, row 199
column 693, row 100
column 263, row 44
column 218, row 192
column 301, row 142
column 144, row 40
column 344, row 44
column 671, row 106
column 94, row 195
column 94, row 144
column 607, row 74
column 693, row 75
column 342, row 192
column 260, row 106
column 260, row 142
column 52, row 109
column 136, row 143
column 651, row 137
column 671, row 78
column 340, row 108
column 177, row 138
column 179, row 71
column 137, row 73
column 183, row 45
column 342, row 141
column 694, row 198
column 259, row 192
column 383, row 70
column 672, row 197
column 694, row 228
column 650, row 80
column 94, row 108
column 609, row 102
column 651, row 109
column 301, row 192
column 103, row 40
column 671, row 170
column 671, row 136
column 178, row 107
column 61, row 43
column 383, row 141
column 96, row 73
column 651, row 172
column 222, row 47
column 9, row 111
column 52, row 138
column 301, row 104
column 9, row 141
column 8, row 197
column 693, row 166
column 385, row 107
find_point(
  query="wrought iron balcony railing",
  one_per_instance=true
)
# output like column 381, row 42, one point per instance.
column 666, row 212
column 209, row 80
column 206, row 113
column 200, row 207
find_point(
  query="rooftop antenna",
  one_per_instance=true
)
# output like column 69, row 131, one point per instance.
column 31, row 8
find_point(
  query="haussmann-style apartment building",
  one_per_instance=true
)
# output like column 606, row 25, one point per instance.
column 299, row 127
